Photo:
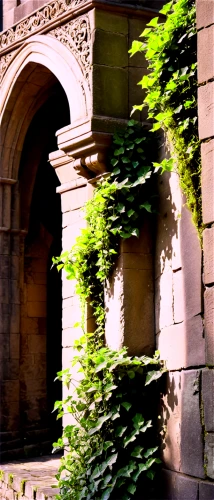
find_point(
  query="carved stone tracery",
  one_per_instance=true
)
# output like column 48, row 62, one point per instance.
column 35, row 22
column 76, row 35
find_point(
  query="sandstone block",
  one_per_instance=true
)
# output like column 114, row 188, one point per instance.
column 205, row 109
column 29, row 325
column 10, row 391
column 9, row 369
column 168, row 248
column 179, row 297
column 208, row 245
column 171, row 421
column 191, row 435
column 4, row 291
column 15, row 266
column 36, row 309
column 178, row 487
column 136, row 93
column 209, row 454
column 40, row 278
column 163, row 301
column 36, row 293
column 182, row 441
column 205, row 13
column 110, row 22
column 136, row 27
column 191, row 259
column 37, row 344
column 14, row 318
column 129, row 310
column 14, row 346
column 4, row 270
column 104, row 49
column 15, row 291
column 4, row 244
column 72, row 217
column 182, row 345
column 205, row 54
column 70, row 316
column 4, row 317
column 68, row 287
column 108, row 102
column 209, row 324
column 208, row 399
column 72, row 200
column 206, row 491
column 207, row 153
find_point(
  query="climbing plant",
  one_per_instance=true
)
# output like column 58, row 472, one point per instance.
column 170, row 47
column 110, row 446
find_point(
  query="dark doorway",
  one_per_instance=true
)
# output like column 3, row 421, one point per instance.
column 41, row 303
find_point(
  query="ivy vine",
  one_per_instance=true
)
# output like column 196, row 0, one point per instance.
column 111, row 446
column 170, row 48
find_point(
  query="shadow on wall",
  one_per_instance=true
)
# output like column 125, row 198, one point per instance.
column 179, row 330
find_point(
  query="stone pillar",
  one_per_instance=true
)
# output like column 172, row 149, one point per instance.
column 129, row 296
column 9, row 312
column 74, row 190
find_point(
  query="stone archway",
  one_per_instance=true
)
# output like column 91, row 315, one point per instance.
column 72, row 42
column 28, row 240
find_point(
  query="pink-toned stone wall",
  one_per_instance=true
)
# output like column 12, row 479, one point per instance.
column 187, row 341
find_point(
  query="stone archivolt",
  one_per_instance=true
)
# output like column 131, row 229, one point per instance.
column 37, row 21
column 76, row 35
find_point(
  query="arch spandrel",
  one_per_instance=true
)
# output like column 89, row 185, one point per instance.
column 50, row 53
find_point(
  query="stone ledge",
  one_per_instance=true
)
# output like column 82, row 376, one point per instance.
column 30, row 479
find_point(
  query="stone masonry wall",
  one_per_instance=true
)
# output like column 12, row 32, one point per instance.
column 184, row 277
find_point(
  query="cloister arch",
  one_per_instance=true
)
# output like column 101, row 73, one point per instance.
column 23, row 88
column 41, row 71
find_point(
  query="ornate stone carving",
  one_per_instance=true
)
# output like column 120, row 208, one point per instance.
column 76, row 35
column 4, row 63
column 35, row 22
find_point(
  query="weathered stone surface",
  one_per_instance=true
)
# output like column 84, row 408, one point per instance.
column 182, row 345
column 205, row 13
column 110, row 22
column 136, row 27
column 168, row 246
column 171, row 421
column 205, row 109
column 208, row 246
column 71, row 200
column 36, row 309
column 205, row 54
column 106, row 102
column 191, row 259
column 104, row 49
column 178, row 487
column 163, row 301
column 208, row 399
column 129, row 309
column 206, row 491
column 182, row 441
column 209, row 453
column 191, row 435
column 207, row 153
column 36, row 293
column 209, row 324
